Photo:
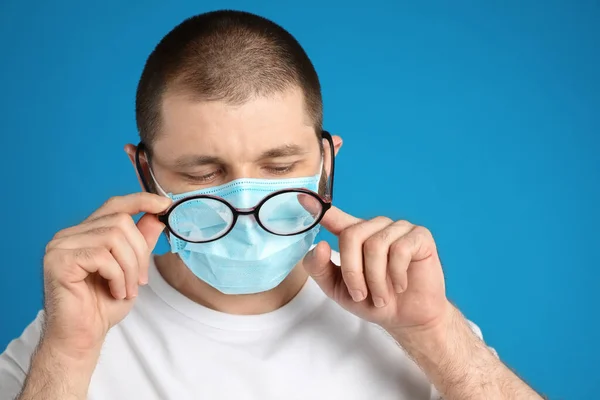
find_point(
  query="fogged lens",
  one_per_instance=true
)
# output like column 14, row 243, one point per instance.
column 290, row 212
column 201, row 219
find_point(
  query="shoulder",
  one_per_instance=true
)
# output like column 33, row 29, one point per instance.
column 15, row 360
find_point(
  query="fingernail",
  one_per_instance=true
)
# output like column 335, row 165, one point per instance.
column 311, row 254
column 379, row 302
column 398, row 288
column 357, row 295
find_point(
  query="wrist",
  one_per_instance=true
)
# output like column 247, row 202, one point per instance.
column 73, row 349
column 434, row 331
column 56, row 375
column 73, row 361
column 441, row 339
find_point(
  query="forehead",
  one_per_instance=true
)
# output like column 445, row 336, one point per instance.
column 234, row 132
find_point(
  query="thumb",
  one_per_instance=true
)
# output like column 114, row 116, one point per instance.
column 319, row 266
column 151, row 228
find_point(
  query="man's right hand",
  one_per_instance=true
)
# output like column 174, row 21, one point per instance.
column 92, row 272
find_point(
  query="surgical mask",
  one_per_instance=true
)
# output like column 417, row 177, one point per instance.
column 248, row 259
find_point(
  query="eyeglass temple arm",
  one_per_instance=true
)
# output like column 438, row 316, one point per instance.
column 327, row 136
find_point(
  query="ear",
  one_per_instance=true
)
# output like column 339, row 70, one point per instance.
column 131, row 149
column 337, row 144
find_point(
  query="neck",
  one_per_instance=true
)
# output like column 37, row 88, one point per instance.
column 176, row 274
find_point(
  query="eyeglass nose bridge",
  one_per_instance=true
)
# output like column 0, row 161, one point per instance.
column 246, row 211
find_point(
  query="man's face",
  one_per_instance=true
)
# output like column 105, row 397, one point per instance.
column 204, row 144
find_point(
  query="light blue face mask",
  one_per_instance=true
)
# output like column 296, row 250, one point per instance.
column 248, row 259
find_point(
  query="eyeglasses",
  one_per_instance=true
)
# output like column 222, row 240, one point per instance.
column 204, row 218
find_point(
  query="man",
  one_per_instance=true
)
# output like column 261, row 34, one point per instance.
column 238, row 172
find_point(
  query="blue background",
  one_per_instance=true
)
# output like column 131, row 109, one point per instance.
column 479, row 121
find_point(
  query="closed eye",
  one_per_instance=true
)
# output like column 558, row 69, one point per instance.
column 202, row 179
column 281, row 169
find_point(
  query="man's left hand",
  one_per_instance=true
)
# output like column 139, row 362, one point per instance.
column 390, row 272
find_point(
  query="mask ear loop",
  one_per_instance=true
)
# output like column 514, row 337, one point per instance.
column 138, row 164
column 321, row 171
column 160, row 189
column 141, row 147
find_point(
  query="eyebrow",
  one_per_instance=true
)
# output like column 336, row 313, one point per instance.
column 196, row 161
column 286, row 150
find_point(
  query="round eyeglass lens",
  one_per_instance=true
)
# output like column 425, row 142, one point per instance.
column 290, row 212
column 201, row 219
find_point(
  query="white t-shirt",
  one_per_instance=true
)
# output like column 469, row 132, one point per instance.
column 169, row 347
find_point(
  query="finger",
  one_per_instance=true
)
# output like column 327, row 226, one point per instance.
column 398, row 262
column 310, row 204
column 73, row 266
column 410, row 247
column 119, row 234
column 150, row 229
column 133, row 204
column 136, row 238
column 375, row 251
column 351, row 254
column 336, row 221
column 139, row 243
column 318, row 265
column 115, row 242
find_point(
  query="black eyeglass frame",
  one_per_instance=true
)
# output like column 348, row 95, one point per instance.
column 254, row 211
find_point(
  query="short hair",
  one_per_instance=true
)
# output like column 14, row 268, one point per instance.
column 228, row 56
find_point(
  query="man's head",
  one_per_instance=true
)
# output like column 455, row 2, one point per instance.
column 226, row 95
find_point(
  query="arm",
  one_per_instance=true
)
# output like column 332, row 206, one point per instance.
column 91, row 276
column 391, row 275
column 460, row 365
column 56, row 376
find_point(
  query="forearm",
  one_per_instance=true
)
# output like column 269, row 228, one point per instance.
column 460, row 365
column 55, row 376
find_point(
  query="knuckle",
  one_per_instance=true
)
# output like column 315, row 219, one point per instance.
column 102, row 230
column 142, row 197
column 51, row 245
column 400, row 248
column 112, row 201
column 83, row 254
column 347, row 235
column 62, row 233
column 352, row 233
column 50, row 258
column 382, row 219
column 423, row 232
column 352, row 276
column 403, row 224
column 376, row 243
column 374, row 281
column 112, row 235
column 122, row 220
